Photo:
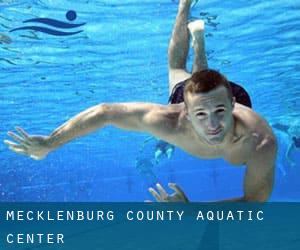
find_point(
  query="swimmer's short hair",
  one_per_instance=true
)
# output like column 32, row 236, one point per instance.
column 205, row 81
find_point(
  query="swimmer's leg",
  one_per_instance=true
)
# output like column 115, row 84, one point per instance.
column 170, row 151
column 157, row 155
column 179, row 46
column 196, row 29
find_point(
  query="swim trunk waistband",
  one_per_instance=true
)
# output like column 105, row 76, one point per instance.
column 238, row 92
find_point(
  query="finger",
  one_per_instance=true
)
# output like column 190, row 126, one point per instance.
column 9, row 143
column 177, row 189
column 154, row 194
column 35, row 157
column 18, row 150
column 16, row 137
column 23, row 133
column 12, row 144
column 161, row 190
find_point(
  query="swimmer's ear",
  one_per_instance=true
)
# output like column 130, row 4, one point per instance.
column 233, row 102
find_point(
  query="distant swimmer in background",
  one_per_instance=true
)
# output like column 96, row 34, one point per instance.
column 292, row 130
column 208, row 116
column 161, row 149
column 146, row 161
column 145, row 169
column 283, row 141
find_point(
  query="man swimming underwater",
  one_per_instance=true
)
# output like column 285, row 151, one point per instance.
column 292, row 129
column 208, row 118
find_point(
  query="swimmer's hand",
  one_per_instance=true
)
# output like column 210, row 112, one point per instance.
column 35, row 146
column 163, row 196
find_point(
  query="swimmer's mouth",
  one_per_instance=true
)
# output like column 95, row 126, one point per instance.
column 215, row 132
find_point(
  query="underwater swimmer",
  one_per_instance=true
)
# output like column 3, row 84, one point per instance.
column 293, row 131
column 145, row 169
column 178, row 75
column 163, row 149
column 208, row 124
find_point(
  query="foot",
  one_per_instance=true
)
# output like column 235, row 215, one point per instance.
column 196, row 26
column 190, row 2
column 187, row 3
column 196, row 29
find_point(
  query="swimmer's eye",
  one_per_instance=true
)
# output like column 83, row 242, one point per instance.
column 220, row 111
column 201, row 114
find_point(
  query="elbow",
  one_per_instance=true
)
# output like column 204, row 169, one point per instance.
column 94, row 117
column 268, row 142
column 103, row 110
column 261, row 197
column 256, row 199
column 104, row 107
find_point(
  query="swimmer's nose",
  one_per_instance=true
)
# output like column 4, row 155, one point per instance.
column 213, row 124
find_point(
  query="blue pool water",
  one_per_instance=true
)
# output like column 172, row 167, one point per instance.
column 121, row 55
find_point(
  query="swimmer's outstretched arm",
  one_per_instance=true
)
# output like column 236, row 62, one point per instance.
column 144, row 117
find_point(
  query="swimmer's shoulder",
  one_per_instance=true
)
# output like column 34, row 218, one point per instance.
column 176, row 114
column 252, row 125
column 170, row 115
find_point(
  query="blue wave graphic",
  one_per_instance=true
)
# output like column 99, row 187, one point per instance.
column 54, row 23
column 70, row 15
column 47, row 30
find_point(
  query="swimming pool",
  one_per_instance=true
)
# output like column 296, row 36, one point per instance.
column 121, row 55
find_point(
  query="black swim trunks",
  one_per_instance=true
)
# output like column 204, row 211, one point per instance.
column 240, row 94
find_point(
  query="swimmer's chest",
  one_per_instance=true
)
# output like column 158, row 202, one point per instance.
column 239, row 152
column 236, row 153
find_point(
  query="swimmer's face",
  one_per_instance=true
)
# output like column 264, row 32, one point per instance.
column 210, row 114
